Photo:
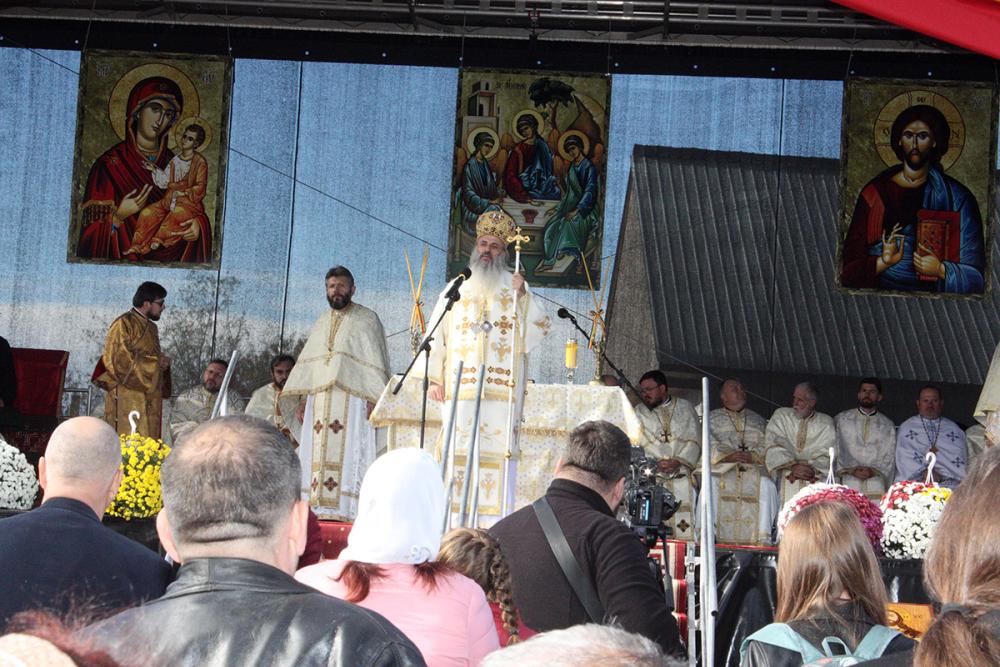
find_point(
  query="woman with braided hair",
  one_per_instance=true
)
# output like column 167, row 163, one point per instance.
column 476, row 554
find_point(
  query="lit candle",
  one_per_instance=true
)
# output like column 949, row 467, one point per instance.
column 571, row 353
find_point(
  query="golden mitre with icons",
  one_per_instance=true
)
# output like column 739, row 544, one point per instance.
column 495, row 223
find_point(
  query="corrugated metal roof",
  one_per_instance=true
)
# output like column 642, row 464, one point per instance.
column 740, row 253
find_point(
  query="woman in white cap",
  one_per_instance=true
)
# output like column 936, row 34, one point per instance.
column 388, row 565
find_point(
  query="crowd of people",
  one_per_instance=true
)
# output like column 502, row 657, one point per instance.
column 233, row 591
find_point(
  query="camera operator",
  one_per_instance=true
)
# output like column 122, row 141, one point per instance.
column 605, row 560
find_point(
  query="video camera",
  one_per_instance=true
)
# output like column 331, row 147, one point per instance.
column 647, row 505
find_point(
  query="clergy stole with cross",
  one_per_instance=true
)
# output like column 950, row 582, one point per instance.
column 789, row 440
column 672, row 431
column 343, row 365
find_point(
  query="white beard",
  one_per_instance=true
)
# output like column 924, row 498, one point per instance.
column 487, row 279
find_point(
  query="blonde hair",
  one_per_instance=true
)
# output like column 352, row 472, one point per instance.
column 962, row 571
column 476, row 554
column 824, row 554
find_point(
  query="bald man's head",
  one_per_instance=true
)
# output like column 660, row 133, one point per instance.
column 83, row 450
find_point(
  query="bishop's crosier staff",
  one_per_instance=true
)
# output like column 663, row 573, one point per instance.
column 516, row 239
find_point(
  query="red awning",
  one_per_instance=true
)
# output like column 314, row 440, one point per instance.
column 971, row 24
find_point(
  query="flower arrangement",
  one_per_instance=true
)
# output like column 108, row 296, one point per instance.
column 18, row 484
column 868, row 512
column 139, row 496
column 910, row 513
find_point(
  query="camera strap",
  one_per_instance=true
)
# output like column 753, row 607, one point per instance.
column 567, row 561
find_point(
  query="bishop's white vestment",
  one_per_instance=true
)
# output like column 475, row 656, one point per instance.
column 482, row 330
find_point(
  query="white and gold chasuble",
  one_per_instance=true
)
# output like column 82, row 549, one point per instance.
column 745, row 498
column 482, row 329
column 789, row 439
column 265, row 404
column 343, row 365
column 672, row 430
column 866, row 441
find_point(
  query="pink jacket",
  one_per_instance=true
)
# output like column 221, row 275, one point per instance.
column 451, row 625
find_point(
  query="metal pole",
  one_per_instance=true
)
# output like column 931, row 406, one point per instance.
column 448, row 452
column 709, row 592
column 473, row 450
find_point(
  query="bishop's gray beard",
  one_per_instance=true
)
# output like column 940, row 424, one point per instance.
column 486, row 279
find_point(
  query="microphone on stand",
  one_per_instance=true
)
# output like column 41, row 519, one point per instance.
column 566, row 315
column 453, row 294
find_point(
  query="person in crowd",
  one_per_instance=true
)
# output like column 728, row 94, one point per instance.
column 194, row 406
column 59, row 556
column 829, row 586
column 330, row 393
column 866, row 443
column 745, row 512
column 588, row 644
column 797, row 442
column 929, row 431
column 264, row 402
column 476, row 554
column 672, row 433
column 133, row 371
column 962, row 573
column 233, row 519
column 40, row 639
column 390, row 566
column 588, row 487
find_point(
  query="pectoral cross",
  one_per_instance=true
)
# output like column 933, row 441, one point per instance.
column 665, row 436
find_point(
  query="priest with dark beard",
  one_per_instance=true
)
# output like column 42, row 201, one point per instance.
column 482, row 329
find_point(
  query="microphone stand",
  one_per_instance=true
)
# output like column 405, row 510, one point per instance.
column 618, row 371
column 425, row 348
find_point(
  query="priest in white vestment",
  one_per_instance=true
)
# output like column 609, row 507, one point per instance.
column 483, row 329
column 745, row 499
column 671, row 433
column 797, row 443
column 264, row 402
column 330, row 392
column 988, row 407
column 926, row 432
column 866, row 443
column 194, row 406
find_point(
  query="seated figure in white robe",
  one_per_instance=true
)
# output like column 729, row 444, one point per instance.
column 927, row 432
column 866, row 443
column 671, row 433
column 265, row 401
column 797, row 443
column 745, row 499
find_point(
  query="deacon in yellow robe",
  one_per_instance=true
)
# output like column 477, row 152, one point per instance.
column 133, row 371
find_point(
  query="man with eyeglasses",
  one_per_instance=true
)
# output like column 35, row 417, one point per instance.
column 133, row 371
column 672, row 434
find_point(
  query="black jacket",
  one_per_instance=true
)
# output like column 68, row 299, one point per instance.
column 815, row 630
column 231, row 611
column 609, row 554
column 59, row 557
